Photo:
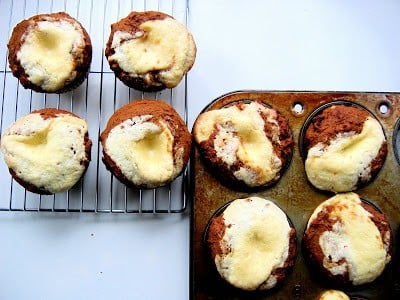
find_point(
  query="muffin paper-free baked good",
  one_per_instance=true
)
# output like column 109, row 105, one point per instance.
column 50, row 53
column 47, row 151
column 150, row 50
column 146, row 144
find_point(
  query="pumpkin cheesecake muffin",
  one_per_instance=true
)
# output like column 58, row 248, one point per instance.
column 50, row 53
column 47, row 151
column 146, row 144
column 345, row 148
column 150, row 51
column 251, row 243
column 347, row 240
column 247, row 145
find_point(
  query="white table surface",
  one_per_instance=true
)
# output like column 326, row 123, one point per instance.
column 275, row 45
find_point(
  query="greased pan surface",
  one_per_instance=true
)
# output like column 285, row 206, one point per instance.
column 297, row 197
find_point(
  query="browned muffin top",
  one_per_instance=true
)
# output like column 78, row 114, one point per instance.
column 146, row 143
column 333, row 121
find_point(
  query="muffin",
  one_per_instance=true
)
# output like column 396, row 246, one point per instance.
column 150, row 51
column 47, row 151
column 247, row 144
column 252, row 244
column 146, row 144
column 345, row 148
column 50, row 53
column 348, row 241
column 333, row 295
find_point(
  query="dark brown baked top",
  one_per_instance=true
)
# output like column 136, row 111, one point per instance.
column 333, row 120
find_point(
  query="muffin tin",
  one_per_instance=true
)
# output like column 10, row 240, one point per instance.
column 296, row 196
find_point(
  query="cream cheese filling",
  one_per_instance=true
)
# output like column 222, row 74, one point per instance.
column 337, row 167
column 46, row 152
column 257, row 234
column 354, row 238
column 163, row 45
column 241, row 136
column 333, row 295
column 143, row 151
column 47, row 53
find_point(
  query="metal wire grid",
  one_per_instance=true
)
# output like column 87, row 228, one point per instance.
column 95, row 100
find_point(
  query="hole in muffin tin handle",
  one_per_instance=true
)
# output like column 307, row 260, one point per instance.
column 298, row 108
column 384, row 109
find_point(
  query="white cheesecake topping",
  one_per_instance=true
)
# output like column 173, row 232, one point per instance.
column 255, row 242
column 162, row 45
column 240, row 136
column 143, row 151
column 48, row 52
column 339, row 166
column 354, row 244
column 46, row 152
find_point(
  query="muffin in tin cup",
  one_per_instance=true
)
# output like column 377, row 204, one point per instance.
column 343, row 146
column 251, row 243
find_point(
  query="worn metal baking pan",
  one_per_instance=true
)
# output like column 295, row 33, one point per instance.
column 297, row 197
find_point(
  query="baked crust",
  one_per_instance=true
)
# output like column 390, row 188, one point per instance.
column 131, row 24
column 159, row 111
column 332, row 121
column 82, row 63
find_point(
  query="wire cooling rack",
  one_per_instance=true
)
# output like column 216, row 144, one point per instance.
column 95, row 100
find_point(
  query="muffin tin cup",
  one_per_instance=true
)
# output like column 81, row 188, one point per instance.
column 294, row 194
